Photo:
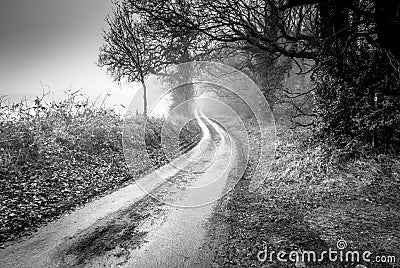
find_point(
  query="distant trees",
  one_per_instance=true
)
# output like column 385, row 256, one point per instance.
column 355, row 46
column 136, row 45
column 223, row 25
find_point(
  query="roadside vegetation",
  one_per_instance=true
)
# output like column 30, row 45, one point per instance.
column 312, row 197
column 57, row 156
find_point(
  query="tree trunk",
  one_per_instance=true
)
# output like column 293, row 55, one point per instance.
column 144, row 98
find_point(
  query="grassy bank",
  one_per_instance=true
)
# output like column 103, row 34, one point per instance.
column 55, row 157
column 308, row 202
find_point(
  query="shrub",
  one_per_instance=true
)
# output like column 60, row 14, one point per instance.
column 54, row 157
column 349, row 117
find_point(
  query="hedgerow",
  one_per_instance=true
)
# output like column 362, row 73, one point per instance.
column 57, row 156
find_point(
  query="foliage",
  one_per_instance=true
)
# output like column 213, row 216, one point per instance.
column 349, row 116
column 54, row 157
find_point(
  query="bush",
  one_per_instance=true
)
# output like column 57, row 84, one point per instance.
column 348, row 115
column 54, row 157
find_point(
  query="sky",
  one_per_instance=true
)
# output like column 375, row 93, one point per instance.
column 56, row 43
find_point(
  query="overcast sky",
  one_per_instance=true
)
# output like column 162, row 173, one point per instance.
column 55, row 42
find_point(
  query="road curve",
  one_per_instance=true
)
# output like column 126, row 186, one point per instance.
column 160, row 221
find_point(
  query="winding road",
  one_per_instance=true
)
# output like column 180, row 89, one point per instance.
column 162, row 220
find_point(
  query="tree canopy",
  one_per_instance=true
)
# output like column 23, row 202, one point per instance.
column 353, row 47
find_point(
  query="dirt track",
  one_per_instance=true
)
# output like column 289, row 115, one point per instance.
column 161, row 221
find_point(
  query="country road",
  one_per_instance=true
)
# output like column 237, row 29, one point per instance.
column 159, row 221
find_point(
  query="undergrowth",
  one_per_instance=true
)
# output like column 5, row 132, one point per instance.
column 59, row 155
column 310, row 199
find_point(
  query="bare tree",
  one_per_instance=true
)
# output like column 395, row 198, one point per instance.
column 353, row 43
column 128, row 53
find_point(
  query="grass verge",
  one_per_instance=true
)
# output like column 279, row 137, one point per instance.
column 310, row 201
